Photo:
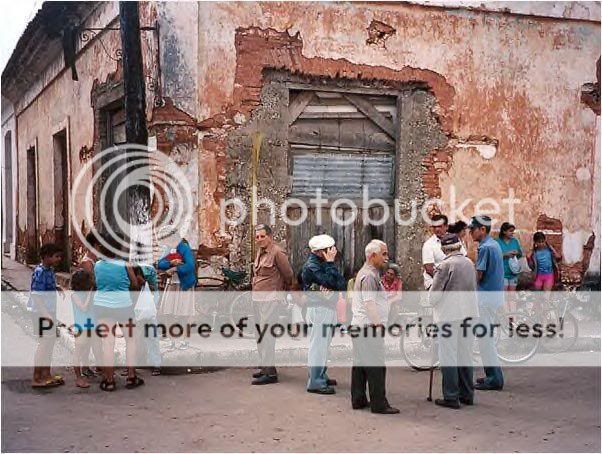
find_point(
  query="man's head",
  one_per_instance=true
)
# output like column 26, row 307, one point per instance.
column 377, row 253
column 439, row 225
column 479, row 226
column 450, row 243
column 320, row 244
column 51, row 254
column 263, row 235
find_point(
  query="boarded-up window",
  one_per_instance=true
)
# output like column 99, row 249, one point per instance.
column 338, row 147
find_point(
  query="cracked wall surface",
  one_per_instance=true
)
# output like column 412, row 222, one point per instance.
column 506, row 94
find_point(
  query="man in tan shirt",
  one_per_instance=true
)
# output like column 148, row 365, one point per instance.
column 272, row 275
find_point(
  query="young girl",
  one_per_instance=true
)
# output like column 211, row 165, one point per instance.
column 82, row 284
column 543, row 260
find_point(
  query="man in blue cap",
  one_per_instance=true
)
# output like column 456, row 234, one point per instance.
column 490, row 287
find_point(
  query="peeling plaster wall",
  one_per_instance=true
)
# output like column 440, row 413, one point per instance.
column 516, row 89
column 56, row 102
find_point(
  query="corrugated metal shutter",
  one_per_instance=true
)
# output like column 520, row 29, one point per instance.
column 343, row 174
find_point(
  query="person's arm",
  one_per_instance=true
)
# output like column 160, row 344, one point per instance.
column 556, row 255
column 519, row 249
column 482, row 262
column 329, row 276
column 285, row 269
column 164, row 264
column 428, row 259
column 440, row 281
column 82, row 304
column 134, row 283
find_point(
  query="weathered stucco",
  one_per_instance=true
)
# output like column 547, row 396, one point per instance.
column 489, row 101
column 515, row 81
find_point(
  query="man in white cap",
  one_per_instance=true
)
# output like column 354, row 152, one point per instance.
column 322, row 281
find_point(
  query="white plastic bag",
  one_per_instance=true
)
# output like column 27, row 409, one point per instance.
column 514, row 265
column 145, row 306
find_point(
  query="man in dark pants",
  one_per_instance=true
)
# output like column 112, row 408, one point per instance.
column 272, row 275
column 370, row 312
column 454, row 300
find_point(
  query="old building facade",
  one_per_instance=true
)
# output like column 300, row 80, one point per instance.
column 419, row 100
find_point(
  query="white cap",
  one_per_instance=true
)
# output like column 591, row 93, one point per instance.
column 319, row 242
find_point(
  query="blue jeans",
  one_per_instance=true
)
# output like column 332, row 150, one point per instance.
column 491, row 362
column 322, row 321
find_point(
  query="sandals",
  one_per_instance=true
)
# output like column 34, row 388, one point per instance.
column 108, row 386
column 49, row 383
column 133, row 382
column 156, row 371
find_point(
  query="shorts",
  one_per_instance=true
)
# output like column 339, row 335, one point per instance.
column 542, row 280
column 38, row 331
column 511, row 281
column 121, row 315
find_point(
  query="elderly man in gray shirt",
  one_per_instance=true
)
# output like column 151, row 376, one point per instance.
column 454, row 300
column 370, row 313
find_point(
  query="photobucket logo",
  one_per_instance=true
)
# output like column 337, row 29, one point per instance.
column 234, row 211
column 103, row 202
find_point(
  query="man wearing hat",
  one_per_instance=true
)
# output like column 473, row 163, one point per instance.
column 453, row 297
column 322, row 281
column 490, row 288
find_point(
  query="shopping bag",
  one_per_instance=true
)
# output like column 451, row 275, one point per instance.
column 145, row 306
column 341, row 309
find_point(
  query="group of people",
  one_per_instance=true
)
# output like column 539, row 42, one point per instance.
column 105, row 290
column 104, row 286
column 447, row 269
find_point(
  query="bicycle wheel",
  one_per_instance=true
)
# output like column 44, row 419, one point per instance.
column 511, row 346
column 417, row 344
column 241, row 308
column 567, row 332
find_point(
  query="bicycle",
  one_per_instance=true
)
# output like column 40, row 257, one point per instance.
column 418, row 341
column 556, row 313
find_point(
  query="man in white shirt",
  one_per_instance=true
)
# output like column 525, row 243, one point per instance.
column 432, row 255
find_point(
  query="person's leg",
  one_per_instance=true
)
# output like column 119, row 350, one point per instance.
column 323, row 323
column 153, row 348
column 271, row 317
column 130, row 350
column 376, row 371
column 81, row 346
column 42, row 358
column 257, row 316
column 108, row 351
column 448, row 356
column 358, row 377
column 465, row 369
column 491, row 362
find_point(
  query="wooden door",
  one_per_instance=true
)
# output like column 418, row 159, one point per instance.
column 340, row 143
